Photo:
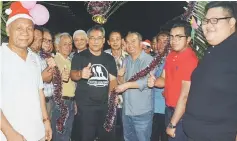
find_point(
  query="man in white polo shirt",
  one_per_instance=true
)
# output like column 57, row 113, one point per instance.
column 23, row 111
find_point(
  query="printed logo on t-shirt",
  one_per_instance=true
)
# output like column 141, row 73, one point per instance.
column 99, row 76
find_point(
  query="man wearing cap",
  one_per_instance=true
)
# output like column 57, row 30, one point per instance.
column 23, row 111
column 146, row 46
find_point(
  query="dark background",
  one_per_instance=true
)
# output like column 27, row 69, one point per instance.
column 145, row 17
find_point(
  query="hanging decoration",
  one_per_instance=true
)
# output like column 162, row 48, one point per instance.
column 57, row 96
column 194, row 13
column 102, row 10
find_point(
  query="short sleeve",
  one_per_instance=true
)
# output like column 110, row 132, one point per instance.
column 189, row 68
column 41, row 86
column 77, row 62
column 43, row 64
column 112, row 66
column 166, row 62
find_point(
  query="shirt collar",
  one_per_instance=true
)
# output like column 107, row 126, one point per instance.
column 140, row 57
column 231, row 40
column 28, row 49
column 60, row 55
column 123, row 55
column 187, row 51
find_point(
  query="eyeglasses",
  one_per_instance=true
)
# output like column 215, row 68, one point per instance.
column 213, row 20
column 47, row 41
column 176, row 37
column 94, row 39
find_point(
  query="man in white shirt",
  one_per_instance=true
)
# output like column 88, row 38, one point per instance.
column 23, row 111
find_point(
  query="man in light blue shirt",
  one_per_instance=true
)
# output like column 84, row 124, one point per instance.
column 138, row 102
column 158, row 126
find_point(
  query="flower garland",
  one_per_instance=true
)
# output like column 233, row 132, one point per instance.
column 57, row 95
column 112, row 107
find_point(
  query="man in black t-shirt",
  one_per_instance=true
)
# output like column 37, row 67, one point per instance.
column 211, row 111
column 95, row 73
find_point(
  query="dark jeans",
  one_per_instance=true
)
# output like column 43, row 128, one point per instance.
column 159, row 128
column 68, row 127
column 90, row 120
column 179, row 133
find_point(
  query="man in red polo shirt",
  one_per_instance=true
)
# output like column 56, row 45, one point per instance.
column 175, row 78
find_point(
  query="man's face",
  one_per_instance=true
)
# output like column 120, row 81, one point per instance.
column 115, row 41
column 124, row 45
column 37, row 42
column 153, row 44
column 80, row 41
column 47, row 42
column 147, row 49
column 218, row 32
column 65, row 46
column 133, row 44
column 21, row 32
column 96, row 40
column 162, row 41
column 178, row 39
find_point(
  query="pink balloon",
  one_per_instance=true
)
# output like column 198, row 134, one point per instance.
column 28, row 4
column 40, row 14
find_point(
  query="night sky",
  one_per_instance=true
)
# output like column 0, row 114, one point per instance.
column 143, row 17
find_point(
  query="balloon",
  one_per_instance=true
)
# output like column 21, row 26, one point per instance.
column 40, row 14
column 28, row 4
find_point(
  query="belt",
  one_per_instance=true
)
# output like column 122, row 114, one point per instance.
column 171, row 108
column 48, row 98
column 68, row 98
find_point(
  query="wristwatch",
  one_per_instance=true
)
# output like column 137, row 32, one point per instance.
column 170, row 125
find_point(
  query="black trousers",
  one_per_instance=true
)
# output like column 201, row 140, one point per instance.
column 159, row 128
column 119, row 126
column 89, row 124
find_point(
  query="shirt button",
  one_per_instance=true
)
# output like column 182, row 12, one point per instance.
column 175, row 56
column 208, row 52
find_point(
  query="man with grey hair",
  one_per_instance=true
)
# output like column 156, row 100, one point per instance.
column 68, row 89
column 56, row 41
column 80, row 41
column 95, row 73
column 138, row 102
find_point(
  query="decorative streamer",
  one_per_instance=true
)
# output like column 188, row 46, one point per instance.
column 102, row 10
column 57, row 96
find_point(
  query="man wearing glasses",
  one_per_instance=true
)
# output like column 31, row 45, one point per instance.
column 211, row 106
column 95, row 73
column 47, row 44
column 175, row 79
